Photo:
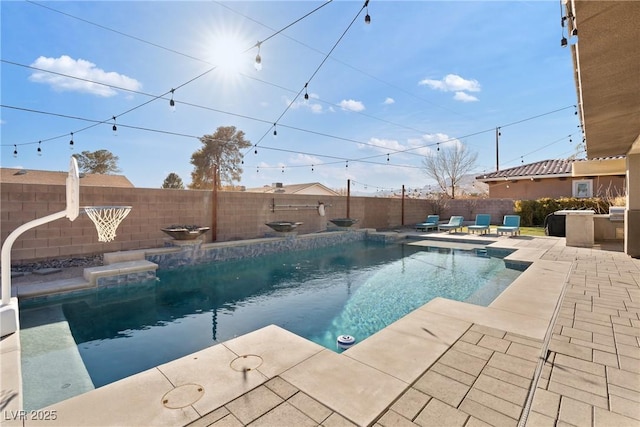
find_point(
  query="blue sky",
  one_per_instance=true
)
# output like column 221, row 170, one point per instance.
column 419, row 74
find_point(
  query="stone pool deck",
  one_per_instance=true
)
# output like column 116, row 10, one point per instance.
column 560, row 346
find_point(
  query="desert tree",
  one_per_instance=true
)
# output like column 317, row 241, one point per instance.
column 448, row 165
column 220, row 153
column 173, row 180
column 97, row 162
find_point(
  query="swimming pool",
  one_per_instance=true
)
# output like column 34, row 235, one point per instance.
column 356, row 289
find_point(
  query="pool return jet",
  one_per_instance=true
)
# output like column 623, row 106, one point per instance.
column 105, row 218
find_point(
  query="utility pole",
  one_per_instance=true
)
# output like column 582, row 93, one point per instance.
column 348, row 197
column 497, row 149
column 214, row 205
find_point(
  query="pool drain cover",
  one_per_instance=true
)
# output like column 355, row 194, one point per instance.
column 182, row 396
column 246, row 363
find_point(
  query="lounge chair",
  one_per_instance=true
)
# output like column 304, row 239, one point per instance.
column 454, row 223
column 510, row 224
column 483, row 222
column 430, row 222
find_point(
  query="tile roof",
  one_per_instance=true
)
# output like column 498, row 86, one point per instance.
column 542, row 169
column 24, row 176
column 559, row 167
column 291, row 189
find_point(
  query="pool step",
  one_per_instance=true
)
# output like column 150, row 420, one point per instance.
column 121, row 273
column 52, row 368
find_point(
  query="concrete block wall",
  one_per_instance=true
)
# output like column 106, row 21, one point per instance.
column 152, row 210
column 240, row 215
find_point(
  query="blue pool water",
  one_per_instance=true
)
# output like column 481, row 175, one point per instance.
column 354, row 289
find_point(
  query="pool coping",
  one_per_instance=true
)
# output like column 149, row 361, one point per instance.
column 366, row 356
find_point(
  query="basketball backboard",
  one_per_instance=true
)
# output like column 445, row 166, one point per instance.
column 73, row 190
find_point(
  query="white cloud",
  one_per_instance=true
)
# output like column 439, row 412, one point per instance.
column 452, row 83
column 389, row 101
column 428, row 143
column 82, row 69
column 351, row 105
column 314, row 107
column 464, row 97
column 384, row 145
column 304, row 159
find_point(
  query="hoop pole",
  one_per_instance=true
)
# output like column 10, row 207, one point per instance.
column 8, row 244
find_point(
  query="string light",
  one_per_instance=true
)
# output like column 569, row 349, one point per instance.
column 258, row 62
column 387, row 157
column 306, row 94
column 71, row 142
column 15, row 150
column 346, row 165
column 367, row 18
column 311, row 168
column 39, row 149
column 114, row 128
column 172, row 103
column 275, row 132
column 563, row 40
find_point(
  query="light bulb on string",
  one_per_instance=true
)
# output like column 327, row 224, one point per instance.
column 346, row 165
column 255, row 149
column 71, row 142
column 15, row 150
column 39, row 148
column 438, row 144
column 257, row 169
column 575, row 112
column 387, row 157
column 311, row 168
column 172, row 103
column 367, row 18
column 306, row 94
column 283, row 169
column 258, row 62
column 275, row 131
column 114, row 128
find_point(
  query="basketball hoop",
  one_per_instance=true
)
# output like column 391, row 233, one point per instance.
column 107, row 219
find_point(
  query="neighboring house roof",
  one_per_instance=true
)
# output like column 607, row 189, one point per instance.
column 24, row 176
column 555, row 168
column 309, row 188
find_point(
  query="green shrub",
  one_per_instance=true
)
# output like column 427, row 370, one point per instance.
column 533, row 212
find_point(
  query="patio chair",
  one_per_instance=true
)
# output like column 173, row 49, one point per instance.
column 483, row 222
column 510, row 224
column 454, row 223
column 430, row 222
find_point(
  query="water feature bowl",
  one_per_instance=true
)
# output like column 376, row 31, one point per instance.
column 283, row 226
column 185, row 232
column 344, row 222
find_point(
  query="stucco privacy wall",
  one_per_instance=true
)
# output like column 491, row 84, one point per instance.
column 240, row 215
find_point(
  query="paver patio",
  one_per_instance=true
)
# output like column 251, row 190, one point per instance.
column 475, row 367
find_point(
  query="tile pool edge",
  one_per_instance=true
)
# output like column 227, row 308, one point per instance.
column 482, row 313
